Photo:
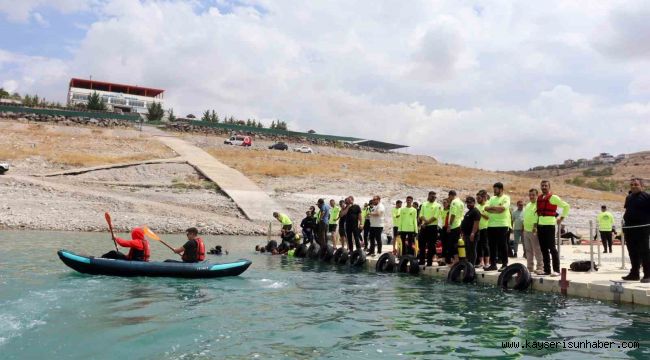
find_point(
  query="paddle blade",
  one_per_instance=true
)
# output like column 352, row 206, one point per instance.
column 108, row 218
column 150, row 234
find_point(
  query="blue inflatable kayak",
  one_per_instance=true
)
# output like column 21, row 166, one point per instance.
column 100, row 266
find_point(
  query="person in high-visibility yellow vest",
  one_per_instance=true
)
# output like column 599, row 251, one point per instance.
column 430, row 213
column 334, row 220
column 284, row 220
column 498, row 208
column 456, row 208
column 605, row 227
column 408, row 226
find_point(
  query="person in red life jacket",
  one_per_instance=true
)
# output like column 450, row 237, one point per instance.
column 547, row 206
column 138, row 247
column 194, row 249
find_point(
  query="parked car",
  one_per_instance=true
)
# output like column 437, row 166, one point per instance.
column 279, row 146
column 304, row 149
column 239, row 140
column 4, row 167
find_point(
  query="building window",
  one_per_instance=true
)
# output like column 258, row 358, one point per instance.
column 136, row 103
column 117, row 101
column 79, row 97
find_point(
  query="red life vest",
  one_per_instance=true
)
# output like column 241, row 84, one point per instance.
column 544, row 206
column 200, row 249
column 140, row 255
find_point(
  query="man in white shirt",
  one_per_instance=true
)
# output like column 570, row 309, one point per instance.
column 376, row 216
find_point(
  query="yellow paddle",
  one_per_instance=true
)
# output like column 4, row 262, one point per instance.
column 150, row 234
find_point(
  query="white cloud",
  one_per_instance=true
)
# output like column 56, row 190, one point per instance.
column 504, row 85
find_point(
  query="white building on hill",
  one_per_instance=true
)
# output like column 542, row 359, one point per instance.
column 120, row 97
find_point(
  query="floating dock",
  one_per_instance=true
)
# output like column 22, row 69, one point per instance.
column 605, row 284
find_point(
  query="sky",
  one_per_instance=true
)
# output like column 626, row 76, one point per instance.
column 499, row 85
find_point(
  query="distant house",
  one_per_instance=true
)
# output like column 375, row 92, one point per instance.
column 621, row 157
column 10, row 102
column 569, row 163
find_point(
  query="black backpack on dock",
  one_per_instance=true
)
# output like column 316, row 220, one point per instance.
column 582, row 266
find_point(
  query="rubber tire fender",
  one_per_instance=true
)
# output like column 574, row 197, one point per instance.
column 313, row 250
column 301, row 251
column 326, row 253
column 341, row 256
column 409, row 264
column 523, row 282
column 385, row 263
column 357, row 258
column 454, row 273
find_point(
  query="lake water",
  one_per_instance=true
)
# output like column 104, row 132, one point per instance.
column 280, row 309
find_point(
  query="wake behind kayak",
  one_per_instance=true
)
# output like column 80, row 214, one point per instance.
column 100, row 266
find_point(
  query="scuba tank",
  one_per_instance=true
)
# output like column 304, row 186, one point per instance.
column 439, row 248
column 461, row 248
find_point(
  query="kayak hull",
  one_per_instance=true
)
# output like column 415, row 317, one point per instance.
column 100, row 266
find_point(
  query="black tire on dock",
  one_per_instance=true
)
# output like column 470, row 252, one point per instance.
column 520, row 273
column 313, row 250
column 385, row 263
column 461, row 272
column 409, row 264
column 325, row 254
column 357, row 258
column 341, row 256
column 301, row 251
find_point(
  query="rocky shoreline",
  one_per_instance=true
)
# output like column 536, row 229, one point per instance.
column 66, row 120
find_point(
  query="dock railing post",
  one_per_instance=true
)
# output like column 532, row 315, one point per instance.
column 591, row 246
column 622, row 245
column 597, row 244
column 268, row 234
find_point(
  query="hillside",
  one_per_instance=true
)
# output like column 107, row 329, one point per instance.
column 171, row 197
column 613, row 177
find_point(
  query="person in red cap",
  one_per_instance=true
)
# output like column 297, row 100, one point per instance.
column 138, row 247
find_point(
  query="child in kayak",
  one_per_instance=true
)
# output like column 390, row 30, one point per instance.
column 138, row 247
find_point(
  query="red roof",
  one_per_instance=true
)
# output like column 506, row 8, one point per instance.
column 114, row 87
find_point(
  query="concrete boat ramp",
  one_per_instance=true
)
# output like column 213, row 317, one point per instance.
column 254, row 203
column 605, row 284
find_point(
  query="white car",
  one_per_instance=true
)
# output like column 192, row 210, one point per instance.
column 4, row 167
column 239, row 140
column 304, row 149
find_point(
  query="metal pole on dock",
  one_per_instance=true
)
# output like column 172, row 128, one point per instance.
column 622, row 245
column 598, row 245
column 268, row 234
column 591, row 246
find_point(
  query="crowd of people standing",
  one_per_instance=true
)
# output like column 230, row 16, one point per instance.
column 483, row 224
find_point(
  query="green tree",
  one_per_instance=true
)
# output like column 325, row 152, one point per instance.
column 214, row 117
column 260, row 125
column 95, row 102
column 273, row 124
column 3, row 93
column 206, row 116
column 170, row 115
column 27, row 100
column 155, row 111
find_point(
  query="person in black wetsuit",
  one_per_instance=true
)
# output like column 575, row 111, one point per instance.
column 637, row 230
column 342, row 217
column 308, row 224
